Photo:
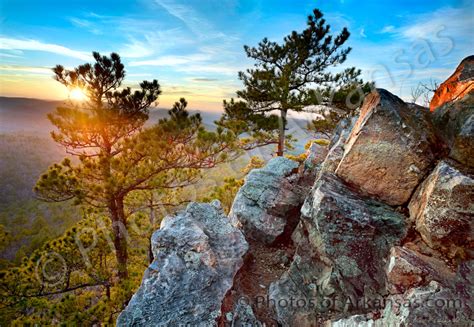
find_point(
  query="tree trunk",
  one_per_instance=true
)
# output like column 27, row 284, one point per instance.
column 152, row 222
column 119, row 229
column 281, row 137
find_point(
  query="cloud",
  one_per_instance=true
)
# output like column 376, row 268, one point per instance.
column 26, row 69
column 33, row 45
column 9, row 55
column 136, row 49
column 170, row 60
column 457, row 20
column 388, row 29
column 187, row 15
column 86, row 24
column 203, row 79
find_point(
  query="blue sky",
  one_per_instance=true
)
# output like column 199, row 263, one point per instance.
column 195, row 48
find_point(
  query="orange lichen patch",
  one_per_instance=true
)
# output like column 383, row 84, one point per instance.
column 459, row 84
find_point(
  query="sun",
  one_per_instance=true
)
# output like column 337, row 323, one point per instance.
column 77, row 94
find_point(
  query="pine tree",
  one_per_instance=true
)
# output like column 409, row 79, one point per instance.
column 283, row 73
column 117, row 156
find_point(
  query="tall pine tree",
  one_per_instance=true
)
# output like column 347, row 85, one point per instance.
column 117, row 156
column 283, row 74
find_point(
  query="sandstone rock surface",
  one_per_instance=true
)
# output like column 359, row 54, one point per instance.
column 433, row 305
column 341, row 241
column 458, row 85
column 407, row 269
column 269, row 197
column 454, row 122
column 443, row 209
column 390, row 149
column 336, row 147
column 197, row 253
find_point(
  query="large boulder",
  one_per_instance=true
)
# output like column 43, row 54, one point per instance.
column 196, row 255
column 391, row 148
column 343, row 240
column 336, row 147
column 408, row 268
column 454, row 123
column 270, row 197
column 460, row 83
column 442, row 209
column 433, row 305
column 453, row 116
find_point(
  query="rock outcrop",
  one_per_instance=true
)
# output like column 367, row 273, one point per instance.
column 442, row 209
column 269, row 198
column 196, row 256
column 457, row 86
column 391, row 148
column 342, row 236
column 454, row 122
column 336, row 147
column 378, row 234
column 407, row 269
column 431, row 305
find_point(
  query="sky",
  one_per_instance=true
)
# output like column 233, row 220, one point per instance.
column 195, row 48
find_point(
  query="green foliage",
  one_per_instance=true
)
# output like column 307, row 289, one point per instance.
column 343, row 98
column 253, row 129
column 283, row 72
column 117, row 156
column 69, row 280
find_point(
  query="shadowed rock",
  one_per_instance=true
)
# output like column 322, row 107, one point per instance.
column 341, row 241
column 454, row 123
column 433, row 305
column 390, row 149
column 408, row 268
column 197, row 253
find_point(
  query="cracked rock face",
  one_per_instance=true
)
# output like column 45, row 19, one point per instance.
column 342, row 241
column 390, row 149
column 407, row 269
column 196, row 255
column 443, row 208
column 336, row 147
column 438, row 305
column 433, row 305
column 267, row 199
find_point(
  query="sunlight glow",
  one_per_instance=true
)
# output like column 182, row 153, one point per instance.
column 77, row 94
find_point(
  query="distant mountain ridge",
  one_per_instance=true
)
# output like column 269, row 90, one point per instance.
column 30, row 115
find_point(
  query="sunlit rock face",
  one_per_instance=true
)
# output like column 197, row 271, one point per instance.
column 196, row 255
column 442, row 209
column 457, row 86
column 390, row 149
